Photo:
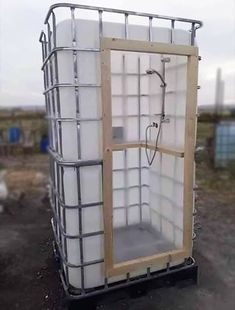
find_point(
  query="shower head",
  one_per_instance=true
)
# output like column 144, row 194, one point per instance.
column 152, row 71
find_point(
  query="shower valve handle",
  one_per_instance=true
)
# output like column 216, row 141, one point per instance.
column 155, row 125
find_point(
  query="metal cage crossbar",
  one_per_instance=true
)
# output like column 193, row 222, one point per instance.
column 194, row 25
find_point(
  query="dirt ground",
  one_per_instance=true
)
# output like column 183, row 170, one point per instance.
column 28, row 276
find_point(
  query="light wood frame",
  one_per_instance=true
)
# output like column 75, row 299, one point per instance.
column 108, row 44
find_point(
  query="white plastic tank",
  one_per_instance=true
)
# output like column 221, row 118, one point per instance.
column 159, row 185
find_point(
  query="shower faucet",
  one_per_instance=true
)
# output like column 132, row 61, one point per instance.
column 163, row 85
column 163, row 119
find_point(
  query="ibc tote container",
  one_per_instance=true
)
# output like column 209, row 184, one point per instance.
column 121, row 109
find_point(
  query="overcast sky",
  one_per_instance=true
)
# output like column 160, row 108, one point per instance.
column 20, row 52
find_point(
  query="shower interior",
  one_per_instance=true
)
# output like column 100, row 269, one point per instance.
column 147, row 197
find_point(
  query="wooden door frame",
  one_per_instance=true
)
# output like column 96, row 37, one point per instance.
column 107, row 45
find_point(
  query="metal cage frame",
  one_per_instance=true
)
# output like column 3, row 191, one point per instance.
column 52, row 96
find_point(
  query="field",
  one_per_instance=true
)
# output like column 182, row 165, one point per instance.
column 29, row 279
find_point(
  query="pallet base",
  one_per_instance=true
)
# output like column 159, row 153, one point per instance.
column 179, row 275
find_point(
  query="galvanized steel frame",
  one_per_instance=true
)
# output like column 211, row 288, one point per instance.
column 52, row 100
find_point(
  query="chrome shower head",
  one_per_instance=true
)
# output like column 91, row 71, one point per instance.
column 150, row 71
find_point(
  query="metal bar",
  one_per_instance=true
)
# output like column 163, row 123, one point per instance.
column 82, row 206
column 124, row 103
column 148, row 272
column 64, row 222
column 58, row 126
column 78, row 236
column 64, row 48
column 42, row 37
column 172, row 30
column 56, row 170
column 52, row 197
column 174, row 192
column 87, row 7
column 139, row 138
column 160, row 192
column 131, row 168
column 130, row 206
column 163, row 88
column 176, row 271
column 57, row 173
column 126, row 25
column 150, row 28
column 150, row 97
column 170, row 92
column 132, row 95
column 49, row 49
column 75, row 71
column 47, row 78
column 55, row 135
column 100, row 24
column 125, row 123
column 75, row 64
column 78, row 163
column 130, row 187
column 54, row 30
column 43, row 51
column 69, row 85
column 56, row 184
column 129, row 74
column 71, row 119
column 80, row 231
column 136, row 115
column 65, row 262
column 48, row 112
column 193, row 31
column 44, row 43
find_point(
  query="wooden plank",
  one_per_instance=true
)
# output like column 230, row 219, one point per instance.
column 190, row 134
column 122, row 146
column 137, row 144
column 112, row 269
column 148, row 47
column 107, row 158
column 166, row 150
column 147, row 261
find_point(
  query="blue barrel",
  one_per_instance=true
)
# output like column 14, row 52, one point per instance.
column 14, row 135
column 44, row 144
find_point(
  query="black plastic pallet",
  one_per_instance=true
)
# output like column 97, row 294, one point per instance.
column 182, row 276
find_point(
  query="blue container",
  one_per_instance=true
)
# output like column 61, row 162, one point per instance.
column 44, row 144
column 225, row 143
column 14, row 135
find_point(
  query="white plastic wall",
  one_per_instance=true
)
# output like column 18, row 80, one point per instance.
column 161, row 183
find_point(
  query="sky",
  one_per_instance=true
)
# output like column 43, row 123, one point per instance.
column 21, row 80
